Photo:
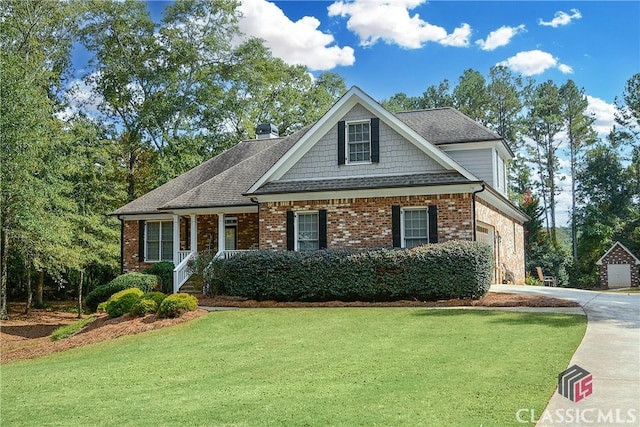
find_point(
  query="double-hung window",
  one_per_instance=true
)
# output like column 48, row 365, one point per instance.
column 415, row 227
column 358, row 142
column 307, row 234
column 158, row 241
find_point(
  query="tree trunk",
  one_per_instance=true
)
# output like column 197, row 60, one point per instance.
column 27, row 308
column 4, row 259
column 574, row 230
column 40, row 290
column 80, row 294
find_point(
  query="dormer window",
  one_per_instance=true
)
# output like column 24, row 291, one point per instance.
column 358, row 142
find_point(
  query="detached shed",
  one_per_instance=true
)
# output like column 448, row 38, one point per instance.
column 618, row 268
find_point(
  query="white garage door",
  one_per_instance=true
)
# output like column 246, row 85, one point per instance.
column 619, row 275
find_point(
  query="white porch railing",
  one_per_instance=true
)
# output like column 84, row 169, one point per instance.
column 182, row 272
column 229, row 254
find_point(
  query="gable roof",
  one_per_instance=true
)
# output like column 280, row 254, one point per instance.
column 356, row 96
column 190, row 186
column 623, row 247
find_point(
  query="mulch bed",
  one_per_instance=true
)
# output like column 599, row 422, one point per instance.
column 26, row 336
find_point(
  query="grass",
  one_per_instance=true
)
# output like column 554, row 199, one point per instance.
column 68, row 330
column 353, row 366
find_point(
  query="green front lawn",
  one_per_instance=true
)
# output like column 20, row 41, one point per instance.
column 343, row 366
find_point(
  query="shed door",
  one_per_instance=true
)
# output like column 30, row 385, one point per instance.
column 619, row 275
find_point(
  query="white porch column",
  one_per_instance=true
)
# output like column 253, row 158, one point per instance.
column 176, row 240
column 194, row 233
column 221, row 232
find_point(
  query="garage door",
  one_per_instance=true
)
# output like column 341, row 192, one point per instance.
column 619, row 275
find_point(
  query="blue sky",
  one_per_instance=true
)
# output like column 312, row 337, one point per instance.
column 392, row 46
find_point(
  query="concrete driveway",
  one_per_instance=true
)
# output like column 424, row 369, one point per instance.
column 610, row 351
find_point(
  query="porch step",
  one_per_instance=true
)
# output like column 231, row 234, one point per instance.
column 193, row 285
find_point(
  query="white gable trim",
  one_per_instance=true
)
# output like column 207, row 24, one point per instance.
column 599, row 262
column 353, row 97
column 497, row 144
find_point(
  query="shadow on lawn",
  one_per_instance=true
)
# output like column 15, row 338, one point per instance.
column 558, row 320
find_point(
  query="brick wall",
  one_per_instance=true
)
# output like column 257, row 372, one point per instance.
column 247, row 230
column 132, row 258
column 618, row 256
column 366, row 222
column 511, row 247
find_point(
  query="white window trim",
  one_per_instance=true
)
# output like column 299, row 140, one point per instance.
column 346, row 145
column 296, row 245
column 146, row 236
column 403, row 243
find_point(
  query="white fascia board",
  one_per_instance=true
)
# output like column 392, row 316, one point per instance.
column 368, row 193
column 497, row 144
column 355, row 96
column 503, row 205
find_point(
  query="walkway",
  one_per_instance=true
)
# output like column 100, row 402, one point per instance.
column 610, row 351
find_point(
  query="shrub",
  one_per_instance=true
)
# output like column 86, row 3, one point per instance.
column 145, row 282
column 177, row 304
column 69, row 330
column 458, row 269
column 121, row 302
column 143, row 307
column 532, row 281
column 164, row 272
column 102, row 307
column 158, row 297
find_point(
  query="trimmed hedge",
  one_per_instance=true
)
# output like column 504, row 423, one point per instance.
column 457, row 269
column 177, row 304
column 121, row 302
column 164, row 272
column 144, row 282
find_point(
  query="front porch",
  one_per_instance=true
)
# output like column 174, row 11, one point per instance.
column 179, row 237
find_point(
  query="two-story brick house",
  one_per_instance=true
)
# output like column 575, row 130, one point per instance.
column 360, row 177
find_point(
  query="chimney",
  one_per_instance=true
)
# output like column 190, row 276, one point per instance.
column 266, row 131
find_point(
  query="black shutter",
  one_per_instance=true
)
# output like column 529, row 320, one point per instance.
column 375, row 140
column 322, row 229
column 291, row 229
column 141, row 240
column 341, row 147
column 433, row 224
column 395, row 226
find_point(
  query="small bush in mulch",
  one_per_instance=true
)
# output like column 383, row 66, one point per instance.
column 143, row 307
column 177, row 304
column 144, row 282
column 164, row 272
column 158, row 297
column 121, row 302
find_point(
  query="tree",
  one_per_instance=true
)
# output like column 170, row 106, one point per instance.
column 436, row 96
column 580, row 133
column 543, row 124
column 504, row 104
column 470, row 96
column 35, row 41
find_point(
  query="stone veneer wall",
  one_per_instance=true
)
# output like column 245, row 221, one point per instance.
column 618, row 256
column 366, row 222
column 512, row 238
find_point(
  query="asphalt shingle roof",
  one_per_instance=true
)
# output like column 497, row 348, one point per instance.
column 390, row 181
column 446, row 126
column 223, row 180
column 188, row 186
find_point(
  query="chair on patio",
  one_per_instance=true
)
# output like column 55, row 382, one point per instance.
column 547, row 280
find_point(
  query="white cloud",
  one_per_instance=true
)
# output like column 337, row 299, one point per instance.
column 565, row 69
column 81, row 97
column 374, row 20
column 534, row 62
column 604, row 114
column 500, row 37
column 299, row 42
column 561, row 18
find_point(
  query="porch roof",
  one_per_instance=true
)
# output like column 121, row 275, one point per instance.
column 360, row 183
